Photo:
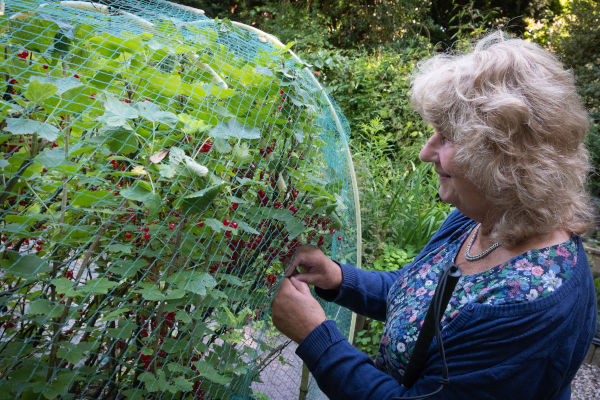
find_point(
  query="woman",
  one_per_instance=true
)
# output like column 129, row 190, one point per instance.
column 508, row 149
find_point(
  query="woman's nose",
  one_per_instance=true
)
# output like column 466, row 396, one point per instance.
column 429, row 151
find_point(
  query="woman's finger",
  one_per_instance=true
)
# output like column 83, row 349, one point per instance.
column 301, row 286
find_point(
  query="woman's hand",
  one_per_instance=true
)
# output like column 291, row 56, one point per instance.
column 295, row 312
column 315, row 268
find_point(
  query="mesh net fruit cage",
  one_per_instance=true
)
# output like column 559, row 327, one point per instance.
column 158, row 170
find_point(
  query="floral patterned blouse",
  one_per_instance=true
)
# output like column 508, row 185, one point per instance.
column 534, row 274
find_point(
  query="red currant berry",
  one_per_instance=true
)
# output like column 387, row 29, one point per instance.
column 234, row 225
column 206, row 147
column 146, row 236
column 128, row 235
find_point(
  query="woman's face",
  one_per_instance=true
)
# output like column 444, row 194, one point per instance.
column 455, row 188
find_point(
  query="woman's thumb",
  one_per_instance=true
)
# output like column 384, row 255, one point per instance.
column 300, row 285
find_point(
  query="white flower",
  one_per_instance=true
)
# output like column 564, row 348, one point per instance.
column 551, row 281
column 469, row 298
column 401, row 347
column 533, row 294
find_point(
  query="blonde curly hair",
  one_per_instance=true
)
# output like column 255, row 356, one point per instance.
column 518, row 126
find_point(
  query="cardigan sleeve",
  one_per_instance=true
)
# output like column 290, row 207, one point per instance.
column 365, row 292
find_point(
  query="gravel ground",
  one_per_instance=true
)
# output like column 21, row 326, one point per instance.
column 586, row 385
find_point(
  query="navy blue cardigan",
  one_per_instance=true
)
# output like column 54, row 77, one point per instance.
column 529, row 350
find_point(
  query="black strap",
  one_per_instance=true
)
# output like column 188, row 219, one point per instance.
column 431, row 325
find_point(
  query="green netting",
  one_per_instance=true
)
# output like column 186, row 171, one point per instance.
column 157, row 168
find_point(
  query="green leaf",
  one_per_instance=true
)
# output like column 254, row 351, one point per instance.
column 136, row 192
column 191, row 125
column 37, row 91
column 24, row 126
column 233, row 129
column 118, row 248
column 220, row 92
column 62, row 85
column 207, row 371
column 36, row 33
column 127, row 268
column 154, row 383
column 119, row 139
column 292, row 224
column 154, row 113
column 62, row 285
column 147, row 351
column 183, row 384
column 199, row 201
column 183, row 317
column 40, row 307
column 247, row 228
column 114, row 314
column 117, row 113
column 53, row 158
column 177, row 155
column 222, row 145
column 175, row 367
column 88, row 198
column 149, row 291
column 97, row 286
column 166, row 170
column 102, row 79
column 288, row 46
column 232, row 280
column 24, row 266
column 60, row 386
column 70, row 352
column 123, row 331
column 175, row 294
column 134, row 394
column 241, row 152
column 195, row 282
column 214, row 224
column 167, row 29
